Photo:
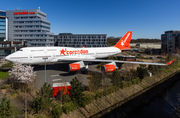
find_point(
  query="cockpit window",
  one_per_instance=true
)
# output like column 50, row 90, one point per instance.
column 20, row 50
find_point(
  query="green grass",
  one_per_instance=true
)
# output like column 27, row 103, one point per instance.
column 4, row 75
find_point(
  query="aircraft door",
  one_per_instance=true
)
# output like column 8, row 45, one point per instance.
column 45, row 51
column 54, row 56
column 94, row 53
column 30, row 57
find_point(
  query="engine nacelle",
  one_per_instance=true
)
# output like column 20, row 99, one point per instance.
column 110, row 67
column 76, row 66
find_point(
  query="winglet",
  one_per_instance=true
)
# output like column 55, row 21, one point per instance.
column 170, row 62
column 124, row 42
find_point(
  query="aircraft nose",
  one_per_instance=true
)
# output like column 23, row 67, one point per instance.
column 7, row 58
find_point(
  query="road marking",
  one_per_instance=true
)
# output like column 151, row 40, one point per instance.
column 56, row 79
column 54, row 75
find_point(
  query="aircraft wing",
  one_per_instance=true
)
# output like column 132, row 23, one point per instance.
column 132, row 62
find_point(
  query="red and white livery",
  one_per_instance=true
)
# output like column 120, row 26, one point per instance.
column 79, row 57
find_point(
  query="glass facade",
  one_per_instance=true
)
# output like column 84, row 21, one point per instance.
column 2, row 13
column 33, row 29
column 80, row 40
column 6, row 52
column 2, row 26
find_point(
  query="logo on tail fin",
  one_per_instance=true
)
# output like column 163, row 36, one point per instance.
column 123, row 42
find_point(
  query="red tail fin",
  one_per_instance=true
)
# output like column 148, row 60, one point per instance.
column 124, row 42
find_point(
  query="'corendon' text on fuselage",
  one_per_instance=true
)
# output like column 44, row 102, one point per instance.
column 67, row 52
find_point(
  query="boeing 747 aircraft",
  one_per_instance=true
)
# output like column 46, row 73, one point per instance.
column 79, row 57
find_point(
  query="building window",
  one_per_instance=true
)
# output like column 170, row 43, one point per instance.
column 170, row 38
column 170, row 46
column 170, row 42
column 170, row 34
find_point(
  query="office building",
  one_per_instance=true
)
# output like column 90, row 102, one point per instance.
column 80, row 40
column 30, row 26
column 2, row 25
column 170, row 41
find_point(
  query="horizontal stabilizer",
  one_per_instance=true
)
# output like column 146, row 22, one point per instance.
column 170, row 62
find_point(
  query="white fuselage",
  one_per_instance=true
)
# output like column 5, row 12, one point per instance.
column 35, row 55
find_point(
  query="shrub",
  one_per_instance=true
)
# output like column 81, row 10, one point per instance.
column 137, row 80
column 109, row 90
column 95, row 82
column 142, row 71
column 7, row 110
column 68, row 106
column 129, row 84
column 116, row 79
column 56, row 111
column 106, row 92
column 3, row 87
column 88, row 99
column 123, row 85
column 8, row 65
column 99, row 94
column 133, row 73
column 134, row 81
column 43, row 101
column 77, row 91
column 154, row 69
column 12, row 93
column 113, row 89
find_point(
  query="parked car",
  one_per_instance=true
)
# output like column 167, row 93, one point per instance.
column 151, row 57
column 138, row 54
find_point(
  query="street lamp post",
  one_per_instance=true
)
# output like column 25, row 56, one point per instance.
column 45, row 67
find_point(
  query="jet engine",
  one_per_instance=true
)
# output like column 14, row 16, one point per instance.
column 110, row 67
column 76, row 66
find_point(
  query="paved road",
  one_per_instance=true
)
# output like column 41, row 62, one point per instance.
column 58, row 73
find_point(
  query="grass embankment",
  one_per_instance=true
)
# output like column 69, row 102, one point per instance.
column 98, row 99
column 110, row 98
column 4, row 75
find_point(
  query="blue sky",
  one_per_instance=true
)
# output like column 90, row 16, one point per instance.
column 145, row 18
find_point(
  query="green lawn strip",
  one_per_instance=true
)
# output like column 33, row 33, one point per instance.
column 4, row 75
